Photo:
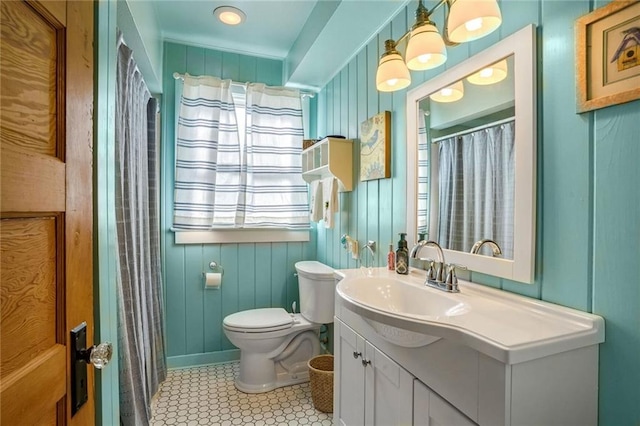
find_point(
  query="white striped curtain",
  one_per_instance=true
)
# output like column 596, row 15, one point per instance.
column 276, row 195
column 228, row 180
column 424, row 150
column 208, row 168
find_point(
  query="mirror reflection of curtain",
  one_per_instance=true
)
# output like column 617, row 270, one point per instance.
column 423, row 173
column 476, row 189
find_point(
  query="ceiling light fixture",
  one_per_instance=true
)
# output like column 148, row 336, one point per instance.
column 465, row 20
column 229, row 15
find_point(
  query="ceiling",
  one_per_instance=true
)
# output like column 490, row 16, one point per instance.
column 314, row 38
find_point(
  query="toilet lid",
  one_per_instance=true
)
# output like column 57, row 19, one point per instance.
column 259, row 320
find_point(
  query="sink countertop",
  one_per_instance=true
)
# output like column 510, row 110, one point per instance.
column 506, row 326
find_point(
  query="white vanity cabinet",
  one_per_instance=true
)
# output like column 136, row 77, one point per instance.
column 374, row 390
column 433, row 380
column 431, row 410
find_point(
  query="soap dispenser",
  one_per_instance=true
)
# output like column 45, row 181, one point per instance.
column 402, row 256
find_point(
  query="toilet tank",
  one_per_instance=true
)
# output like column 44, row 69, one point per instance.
column 316, row 285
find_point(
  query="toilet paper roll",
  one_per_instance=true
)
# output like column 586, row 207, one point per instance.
column 212, row 280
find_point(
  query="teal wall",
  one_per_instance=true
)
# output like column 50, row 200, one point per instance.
column 588, row 226
column 255, row 275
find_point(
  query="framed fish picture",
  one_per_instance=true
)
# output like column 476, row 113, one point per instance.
column 375, row 147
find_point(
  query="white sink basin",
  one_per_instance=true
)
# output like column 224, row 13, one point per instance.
column 400, row 298
column 503, row 325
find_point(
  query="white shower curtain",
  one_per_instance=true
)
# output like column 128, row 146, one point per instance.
column 141, row 352
column 476, row 189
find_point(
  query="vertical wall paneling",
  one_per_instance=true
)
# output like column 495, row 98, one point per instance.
column 385, row 212
column 362, row 90
column 616, row 268
column 246, row 276
column 398, row 150
column 278, row 274
column 194, row 291
column 255, row 275
column 263, row 275
column 194, row 286
column 105, row 256
column 175, row 60
column 564, row 164
column 212, row 302
column 352, row 133
column 373, row 107
column 345, row 197
column 230, row 302
column 587, row 221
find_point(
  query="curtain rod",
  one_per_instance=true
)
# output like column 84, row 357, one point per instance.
column 303, row 93
column 474, row 129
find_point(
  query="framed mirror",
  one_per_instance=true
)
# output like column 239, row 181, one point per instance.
column 471, row 160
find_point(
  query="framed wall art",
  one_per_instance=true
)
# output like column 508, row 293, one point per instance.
column 608, row 55
column 375, row 147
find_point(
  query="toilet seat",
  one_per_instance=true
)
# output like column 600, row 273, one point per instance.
column 259, row 320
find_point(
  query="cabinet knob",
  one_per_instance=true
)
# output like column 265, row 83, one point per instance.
column 365, row 362
column 356, row 354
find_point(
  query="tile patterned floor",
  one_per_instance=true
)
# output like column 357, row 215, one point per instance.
column 206, row 396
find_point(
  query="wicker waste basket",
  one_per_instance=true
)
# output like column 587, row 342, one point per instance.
column 321, row 382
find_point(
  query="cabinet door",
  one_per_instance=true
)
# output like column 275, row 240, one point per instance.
column 388, row 390
column 429, row 409
column 349, row 377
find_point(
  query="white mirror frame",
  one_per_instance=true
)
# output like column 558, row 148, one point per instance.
column 522, row 45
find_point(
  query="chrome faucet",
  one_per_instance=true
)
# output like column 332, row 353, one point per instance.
column 436, row 271
column 497, row 251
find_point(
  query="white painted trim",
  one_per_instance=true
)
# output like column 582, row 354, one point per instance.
column 522, row 45
column 222, row 236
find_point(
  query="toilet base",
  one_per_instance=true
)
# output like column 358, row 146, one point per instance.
column 285, row 380
column 264, row 372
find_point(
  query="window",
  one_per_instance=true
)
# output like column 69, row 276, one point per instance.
column 238, row 162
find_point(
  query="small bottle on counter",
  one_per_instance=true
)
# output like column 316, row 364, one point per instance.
column 391, row 258
column 402, row 256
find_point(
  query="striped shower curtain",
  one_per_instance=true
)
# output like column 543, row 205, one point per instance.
column 141, row 353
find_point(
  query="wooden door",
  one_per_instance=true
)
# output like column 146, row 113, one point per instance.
column 46, row 137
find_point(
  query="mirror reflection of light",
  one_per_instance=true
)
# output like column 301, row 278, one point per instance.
column 447, row 91
column 474, row 24
column 486, row 73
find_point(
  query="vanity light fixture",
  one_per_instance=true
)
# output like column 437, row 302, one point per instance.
column 490, row 75
column 452, row 93
column 229, row 15
column 465, row 20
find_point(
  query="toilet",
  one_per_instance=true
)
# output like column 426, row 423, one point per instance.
column 275, row 345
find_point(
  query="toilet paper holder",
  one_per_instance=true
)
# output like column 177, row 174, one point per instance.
column 215, row 267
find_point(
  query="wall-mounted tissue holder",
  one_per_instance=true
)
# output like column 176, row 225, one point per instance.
column 213, row 280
